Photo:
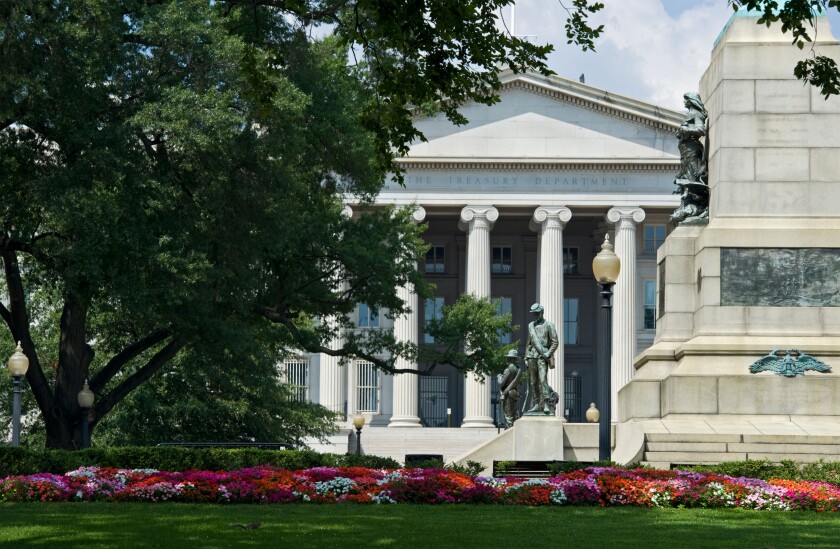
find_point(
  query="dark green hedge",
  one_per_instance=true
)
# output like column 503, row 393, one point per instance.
column 21, row 461
column 820, row 471
column 762, row 469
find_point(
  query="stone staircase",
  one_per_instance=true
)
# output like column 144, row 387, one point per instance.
column 664, row 450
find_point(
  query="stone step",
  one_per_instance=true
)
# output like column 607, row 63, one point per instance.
column 687, row 447
column 694, row 457
column 785, row 448
column 692, row 437
column 777, row 457
column 798, row 439
column 664, row 465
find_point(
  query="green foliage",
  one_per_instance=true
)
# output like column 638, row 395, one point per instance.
column 765, row 470
column 821, row 72
column 503, row 467
column 467, row 336
column 578, row 30
column 173, row 177
column 22, row 461
column 196, row 401
column 471, row 468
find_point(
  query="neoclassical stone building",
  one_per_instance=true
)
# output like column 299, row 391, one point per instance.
column 517, row 202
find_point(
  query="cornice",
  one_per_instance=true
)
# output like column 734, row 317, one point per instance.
column 589, row 104
column 657, row 167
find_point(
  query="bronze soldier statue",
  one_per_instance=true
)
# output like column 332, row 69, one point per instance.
column 539, row 357
column 509, row 388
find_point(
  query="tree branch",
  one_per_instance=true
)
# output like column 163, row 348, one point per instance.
column 107, row 402
column 384, row 365
column 7, row 315
column 107, row 373
column 18, row 321
column 329, row 12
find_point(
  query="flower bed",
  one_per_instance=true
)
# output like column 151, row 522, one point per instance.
column 603, row 486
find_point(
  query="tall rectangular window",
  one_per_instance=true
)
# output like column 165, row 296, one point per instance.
column 570, row 321
column 503, row 307
column 367, row 387
column 294, row 372
column 435, row 259
column 432, row 310
column 367, row 317
column 654, row 237
column 502, row 260
column 570, row 261
column 650, row 305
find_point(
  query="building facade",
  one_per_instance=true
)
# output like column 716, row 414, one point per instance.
column 517, row 202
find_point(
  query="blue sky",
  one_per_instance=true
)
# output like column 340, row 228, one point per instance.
column 652, row 50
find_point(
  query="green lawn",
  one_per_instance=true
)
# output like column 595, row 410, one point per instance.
column 93, row 525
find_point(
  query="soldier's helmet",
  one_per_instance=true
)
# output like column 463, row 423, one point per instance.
column 512, row 354
column 536, row 308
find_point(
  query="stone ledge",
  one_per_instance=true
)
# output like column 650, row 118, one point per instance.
column 695, row 457
column 692, row 437
column 688, row 447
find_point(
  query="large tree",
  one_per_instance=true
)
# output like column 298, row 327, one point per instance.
column 173, row 174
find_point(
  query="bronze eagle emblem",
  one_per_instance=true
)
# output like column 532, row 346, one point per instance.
column 790, row 363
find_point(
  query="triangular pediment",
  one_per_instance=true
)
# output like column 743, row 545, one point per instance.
column 551, row 120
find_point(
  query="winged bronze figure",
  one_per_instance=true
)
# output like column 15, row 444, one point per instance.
column 790, row 363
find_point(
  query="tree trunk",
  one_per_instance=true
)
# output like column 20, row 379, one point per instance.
column 63, row 423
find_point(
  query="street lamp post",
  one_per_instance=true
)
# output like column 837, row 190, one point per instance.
column 358, row 423
column 605, row 266
column 85, row 398
column 18, row 365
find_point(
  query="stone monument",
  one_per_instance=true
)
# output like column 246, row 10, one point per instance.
column 764, row 274
column 692, row 181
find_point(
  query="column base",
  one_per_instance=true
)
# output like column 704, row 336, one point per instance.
column 405, row 421
column 477, row 422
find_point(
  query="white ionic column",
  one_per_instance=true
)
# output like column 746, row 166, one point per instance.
column 332, row 384
column 333, row 379
column 624, row 300
column 549, row 222
column 477, row 222
column 406, row 412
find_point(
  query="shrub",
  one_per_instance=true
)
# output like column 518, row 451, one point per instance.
column 23, row 461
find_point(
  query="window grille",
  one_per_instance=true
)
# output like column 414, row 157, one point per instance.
column 433, row 401
column 572, row 409
column 294, row 372
column 367, row 387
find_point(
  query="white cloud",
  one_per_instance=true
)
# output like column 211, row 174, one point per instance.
column 644, row 52
column 669, row 54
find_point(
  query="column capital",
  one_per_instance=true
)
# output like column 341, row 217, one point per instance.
column 486, row 215
column 545, row 215
column 616, row 214
column 419, row 214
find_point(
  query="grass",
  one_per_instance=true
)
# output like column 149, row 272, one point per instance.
column 96, row 525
